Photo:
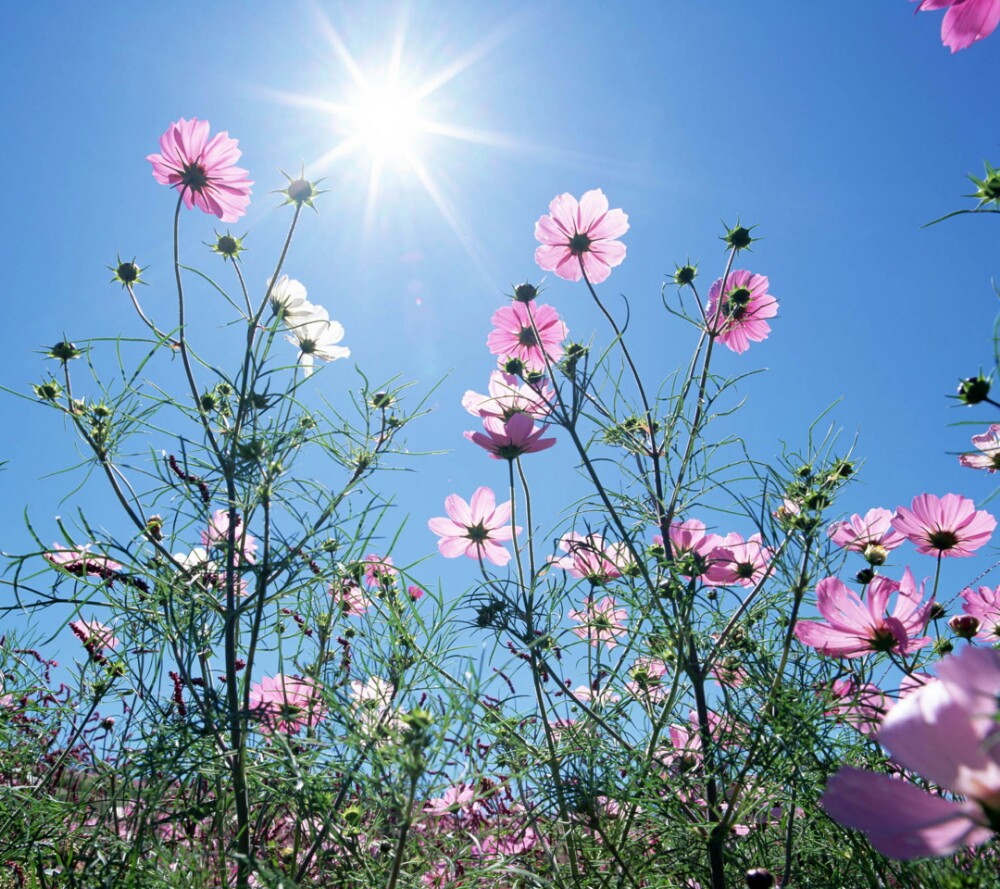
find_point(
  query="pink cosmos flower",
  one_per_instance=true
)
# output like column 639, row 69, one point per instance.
column 861, row 707
column 415, row 593
column 872, row 536
column 286, row 703
column 741, row 561
column 600, row 621
column 854, row 628
column 944, row 526
column 947, row 732
column 509, row 439
column 81, row 561
column 218, row 534
column 509, row 396
column 95, row 636
column 984, row 605
column 513, row 336
column 966, row 21
column 988, row 457
column 649, row 680
column 473, row 529
column 579, row 237
column 458, row 799
column 587, row 557
column 740, row 316
column 379, row 570
column 692, row 548
column 204, row 169
column 351, row 597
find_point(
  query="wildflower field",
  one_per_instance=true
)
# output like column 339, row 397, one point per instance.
column 338, row 554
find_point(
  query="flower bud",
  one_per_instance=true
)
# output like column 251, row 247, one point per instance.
column 875, row 554
column 48, row 391
column 228, row 246
column 300, row 191
column 864, row 576
column 154, row 527
column 514, row 366
column 943, row 646
column 973, row 390
column 936, row 612
column 738, row 237
column 759, row 878
column 965, row 626
column 381, row 400
column 685, row 275
column 525, row 293
column 988, row 188
column 64, row 352
column 126, row 273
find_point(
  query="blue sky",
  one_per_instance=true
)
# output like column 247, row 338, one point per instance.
column 839, row 132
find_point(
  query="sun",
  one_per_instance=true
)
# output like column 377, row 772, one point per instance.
column 386, row 119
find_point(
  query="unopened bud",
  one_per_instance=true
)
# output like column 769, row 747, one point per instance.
column 965, row 626
column 759, row 878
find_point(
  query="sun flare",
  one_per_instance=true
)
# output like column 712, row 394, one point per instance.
column 386, row 118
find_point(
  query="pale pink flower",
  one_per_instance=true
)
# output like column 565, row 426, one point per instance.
column 203, row 169
column 988, row 456
column 286, row 703
column 509, row 396
column 600, row 621
column 474, row 529
column 649, row 680
column 741, row 561
column 944, row 526
column 966, row 21
column 415, row 592
column 95, row 636
column 854, row 628
column 692, row 548
column 509, row 439
column 947, row 732
column 738, row 316
column 984, row 604
column 872, row 536
column 860, row 706
column 373, row 706
column 598, row 698
column 379, row 570
column 458, row 799
column 82, row 561
column 587, row 557
column 351, row 598
column 217, row 534
column 581, row 234
column 513, row 336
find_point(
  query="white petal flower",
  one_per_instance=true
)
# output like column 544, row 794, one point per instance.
column 317, row 337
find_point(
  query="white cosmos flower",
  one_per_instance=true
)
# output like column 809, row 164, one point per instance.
column 288, row 299
column 317, row 337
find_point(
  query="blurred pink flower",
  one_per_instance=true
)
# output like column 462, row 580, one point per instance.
column 351, row 598
column 204, row 169
column 740, row 316
column 947, row 732
column 218, row 534
column 508, row 396
column 286, row 703
column 81, row 561
column 988, row 456
column 740, row 561
column 648, row 682
column 984, row 604
column 861, row 707
column 509, row 439
column 600, row 621
column 587, row 557
column 457, row 800
column 379, row 570
column 581, row 233
column 513, row 336
column 95, row 636
column 860, row 534
column 966, row 21
column 944, row 526
column 854, row 628
column 473, row 529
